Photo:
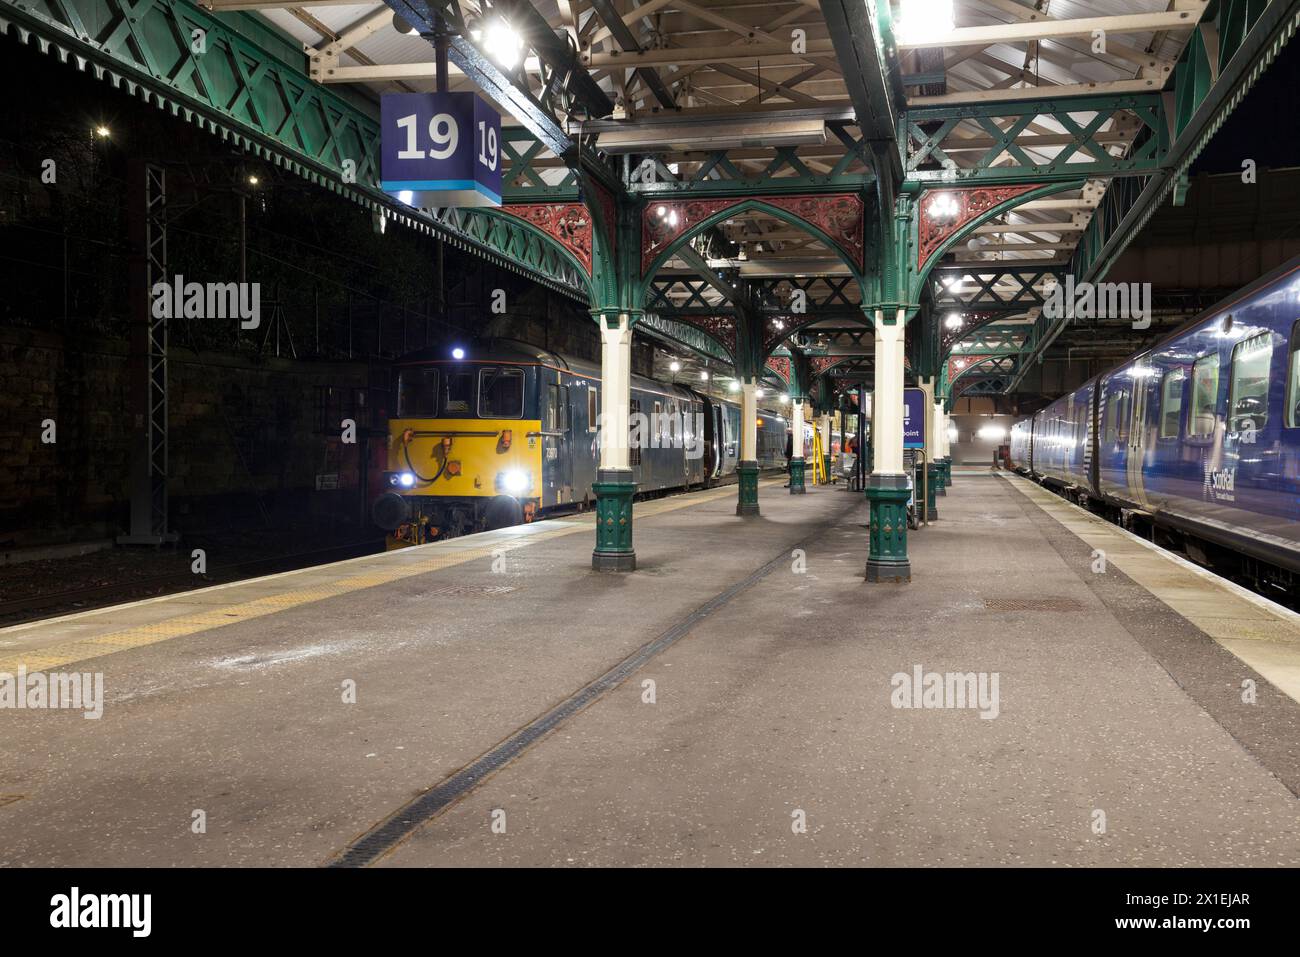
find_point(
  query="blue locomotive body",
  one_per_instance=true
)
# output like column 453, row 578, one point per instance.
column 1200, row 433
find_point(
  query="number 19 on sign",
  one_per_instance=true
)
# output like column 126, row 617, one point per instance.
column 427, row 158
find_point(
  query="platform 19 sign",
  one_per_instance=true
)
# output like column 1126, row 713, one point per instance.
column 440, row 149
column 913, row 419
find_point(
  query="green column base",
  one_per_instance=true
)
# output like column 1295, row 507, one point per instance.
column 940, row 478
column 947, row 470
column 826, row 466
column 748, row 501
column 932, row 489
column 796, row 477
column 614, row 490
column 887, row 550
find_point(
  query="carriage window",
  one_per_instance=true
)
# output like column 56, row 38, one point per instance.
column 593, row 417
column 1171, row 403
column 501, row 393
column 1248, row 387
column 417, row 393
column 459, row 395
column 1117, row 415
column 1293, row 378
column 1205, row 396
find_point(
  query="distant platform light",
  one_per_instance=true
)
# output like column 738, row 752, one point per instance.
column 103, row 132
column 953, row 321
column 993, row 433
column 785, row 398
column 675, row 366
column 704, row 376
column 735, row 386
column 253, row 181
column 458, row 353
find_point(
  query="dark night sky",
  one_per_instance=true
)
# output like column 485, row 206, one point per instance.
column 1265, row 127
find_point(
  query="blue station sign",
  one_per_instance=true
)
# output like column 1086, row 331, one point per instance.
column 913, row 419
column 440, row 149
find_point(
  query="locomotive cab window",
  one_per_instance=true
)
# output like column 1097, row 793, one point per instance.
column 1293, row 378
column 1205, row 396
column 1171, row 403
column 501, row 393
column 417, row 393
column 459, row 395
column 1248, row 387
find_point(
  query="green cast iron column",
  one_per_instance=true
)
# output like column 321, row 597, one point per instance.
column 614, row 490
column 796, row 477
column 887, row 557
column 932, row 471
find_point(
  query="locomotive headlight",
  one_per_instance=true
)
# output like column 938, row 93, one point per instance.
column 402, row 479
column 515, row 481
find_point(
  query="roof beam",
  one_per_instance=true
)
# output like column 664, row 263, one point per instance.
column 1056, row 29
column 622, row 33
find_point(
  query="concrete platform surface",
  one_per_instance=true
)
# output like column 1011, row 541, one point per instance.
column 743, row 698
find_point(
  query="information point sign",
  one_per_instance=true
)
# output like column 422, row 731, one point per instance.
column 913, row 419
column 440, row 149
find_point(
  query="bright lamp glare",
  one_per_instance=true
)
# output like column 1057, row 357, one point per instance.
column 735, row 386
column 514, row 481
column 953, row 321
column 675, row 366
column 704, row 377
column 407, row 479
column 992, row 432
column 502, row 43
column 924, row 20
column 458, row 353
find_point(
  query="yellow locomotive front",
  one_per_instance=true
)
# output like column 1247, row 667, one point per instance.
column 464, row 450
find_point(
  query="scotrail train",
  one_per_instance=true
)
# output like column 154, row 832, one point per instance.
column 507, row 434
column 1196, row 439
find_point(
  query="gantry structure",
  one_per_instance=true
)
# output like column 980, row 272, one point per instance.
column 801, row 193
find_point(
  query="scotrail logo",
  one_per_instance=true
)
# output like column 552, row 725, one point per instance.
column 1100, row 300
column 83, row 691
column 75, row 909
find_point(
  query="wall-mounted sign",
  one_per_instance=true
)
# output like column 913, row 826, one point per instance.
column 913, row 419
column 440, row 149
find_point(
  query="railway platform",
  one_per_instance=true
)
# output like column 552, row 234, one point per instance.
column 743, row 698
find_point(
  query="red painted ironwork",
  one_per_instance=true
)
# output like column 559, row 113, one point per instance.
column 569, row 224
column 838, row 215
column 781, row 366
column 971, row 202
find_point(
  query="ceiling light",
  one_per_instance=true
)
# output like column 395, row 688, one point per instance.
column 102, row 132
column 403, row 26
column 677, row 135
column 921, row 22
column 675, row 366
column 944, row 207
column 502, row 44
column 953, row 321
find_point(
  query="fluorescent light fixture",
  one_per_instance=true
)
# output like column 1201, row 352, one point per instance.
column 715, row 134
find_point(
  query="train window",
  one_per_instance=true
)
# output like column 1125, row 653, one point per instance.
column 1293, row 378
column 458, row 395
column 634, row 444
column 417, row 393
column 1171, row 403
column 552, row 408
column 501, row 393
column 1205, row 396
column 593, row 417
column 1248, row 387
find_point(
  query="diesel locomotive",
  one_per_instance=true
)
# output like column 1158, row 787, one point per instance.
column 1198, row 437
column 503, row 432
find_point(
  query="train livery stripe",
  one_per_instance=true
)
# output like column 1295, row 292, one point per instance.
column 371, row 570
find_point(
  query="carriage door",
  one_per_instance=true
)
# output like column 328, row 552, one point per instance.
column 557, row 460
column 1137, row 439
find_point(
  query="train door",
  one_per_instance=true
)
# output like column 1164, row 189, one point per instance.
column 1137, row 440
column 557, row 454
column 712, row 441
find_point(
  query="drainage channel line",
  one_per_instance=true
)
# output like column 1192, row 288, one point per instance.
column 389, row 833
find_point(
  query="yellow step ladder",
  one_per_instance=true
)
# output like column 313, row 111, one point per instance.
column 819, row 460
